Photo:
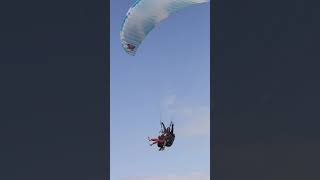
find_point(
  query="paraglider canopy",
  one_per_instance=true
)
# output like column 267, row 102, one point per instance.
column 144, row 15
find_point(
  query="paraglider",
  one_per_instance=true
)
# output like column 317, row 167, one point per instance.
column 144, row 15
column 140, row 19
column 166, row 138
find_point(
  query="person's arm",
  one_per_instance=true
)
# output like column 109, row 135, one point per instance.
column 163, row 126
column 172, row 128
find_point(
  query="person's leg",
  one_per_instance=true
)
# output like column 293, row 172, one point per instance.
column 161, row 141
column 153, row 139
column 153, row 143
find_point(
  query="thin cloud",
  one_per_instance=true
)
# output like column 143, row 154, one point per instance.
column 192, row 176
column 196, row 121
column 170, row 101
column 190, row 120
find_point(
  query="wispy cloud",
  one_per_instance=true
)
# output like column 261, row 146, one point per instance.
column 192, row 176
column 169, row 102
column 191, row 120
column 195, row 121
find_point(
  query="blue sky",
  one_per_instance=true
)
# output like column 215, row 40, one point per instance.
column 169, row 75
